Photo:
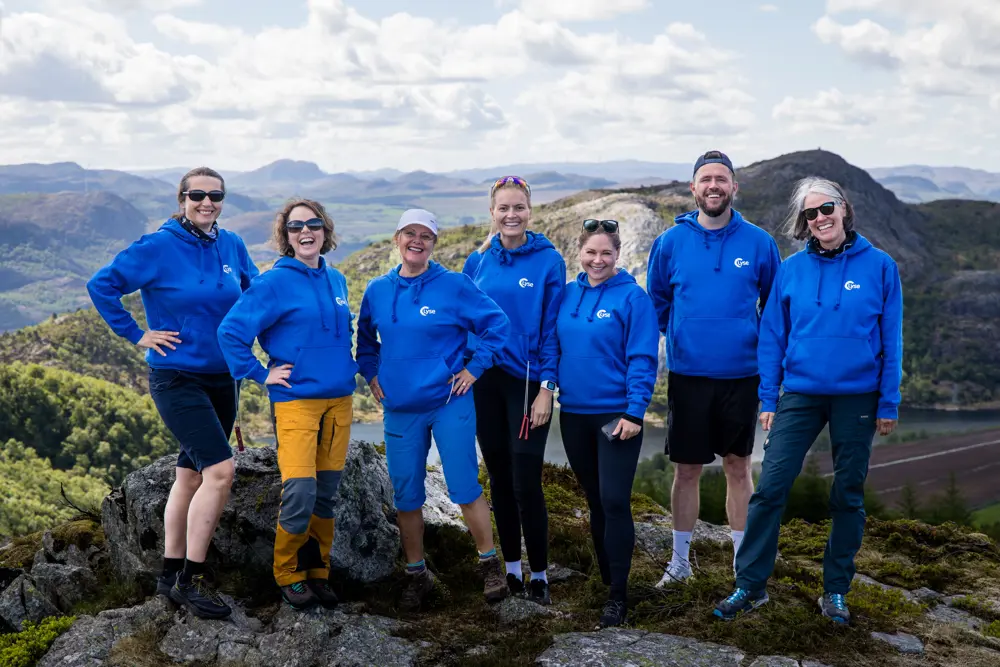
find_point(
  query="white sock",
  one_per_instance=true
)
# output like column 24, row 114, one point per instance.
column 682, row 549
column 737, row 536
column 514, row 567
column 543, row 575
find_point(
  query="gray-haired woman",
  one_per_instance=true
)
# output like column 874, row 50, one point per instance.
column 832, row 337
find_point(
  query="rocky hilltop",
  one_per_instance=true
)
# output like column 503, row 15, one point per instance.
column 923, row 596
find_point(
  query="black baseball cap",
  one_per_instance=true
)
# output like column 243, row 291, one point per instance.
column 713, row 157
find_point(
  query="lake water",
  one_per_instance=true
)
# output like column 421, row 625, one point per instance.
column 910, row 421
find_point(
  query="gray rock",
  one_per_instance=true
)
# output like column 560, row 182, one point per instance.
column 812, row 663
column 558, row 574
column 865, row 579
column 23, row 601
column 193, row 640
column 232, row 654
column 64, row 585
column 513, row 609
column 656, row 537
column 438, row 509
column 125, row 622
column 365, row 546
column 902, row 642
column 945, row 614
column 774, row 661
column 86, row 644
column 614, row 647
column 926, row 595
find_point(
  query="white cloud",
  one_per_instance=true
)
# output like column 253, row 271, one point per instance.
column 580, row 10
column 768, row 8
column 828, row 110
column 194, row 32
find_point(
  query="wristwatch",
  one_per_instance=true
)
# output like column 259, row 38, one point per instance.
column 549, row 384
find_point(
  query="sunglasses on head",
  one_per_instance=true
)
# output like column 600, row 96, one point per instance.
column 591, row 225
column 516, row 180
column 199, row 195
column 825, row 208
column 296, row 226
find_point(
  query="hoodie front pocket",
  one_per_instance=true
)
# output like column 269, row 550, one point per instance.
column 408, row 382
column 326, row 369
column 717, row 344
column 831, row 362
column 200, row 338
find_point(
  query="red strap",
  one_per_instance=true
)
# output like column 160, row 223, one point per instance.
column 523, row 433
column 239, row 439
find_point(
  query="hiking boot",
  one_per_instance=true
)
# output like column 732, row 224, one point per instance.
column 494, row 583
column 324, row 594
column 674, row 574
column 538, row 592
column 834, row 607
column 740, row 602
column 515, row 586
column 417, row 587
column 165, row 582
column 199, row 598
column 614, row 613
column 298, row 596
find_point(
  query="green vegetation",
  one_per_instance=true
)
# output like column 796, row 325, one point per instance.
column 25, row 648
column 986, row 516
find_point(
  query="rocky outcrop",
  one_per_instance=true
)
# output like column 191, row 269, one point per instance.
column 636, row 647
column 366, row 542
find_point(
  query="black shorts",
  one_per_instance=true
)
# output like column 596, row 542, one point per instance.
column 709, row 417
column 200, row 410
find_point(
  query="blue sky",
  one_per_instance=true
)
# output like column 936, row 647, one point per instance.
column 441, row 84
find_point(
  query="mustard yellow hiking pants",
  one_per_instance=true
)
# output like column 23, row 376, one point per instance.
column 311, row 438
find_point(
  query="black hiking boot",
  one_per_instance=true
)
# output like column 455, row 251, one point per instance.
column 298, row 596
column 321, row 589
column 199, row 598
column 614, row 613
column 494, row 582
column 515, row 586
column 538, row 592
column 165, row 582
column 417, row 587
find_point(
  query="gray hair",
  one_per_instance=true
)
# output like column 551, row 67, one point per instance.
column 795, row 224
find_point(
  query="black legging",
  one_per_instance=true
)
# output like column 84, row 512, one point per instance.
column 514, row 465
column 605, row 470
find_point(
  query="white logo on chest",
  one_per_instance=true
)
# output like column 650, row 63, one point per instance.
column 341, row 301
column 739, row 263
column 226, row 268
column 524, row 282
column 603, row 314
column 851, row 285
column 425, row 311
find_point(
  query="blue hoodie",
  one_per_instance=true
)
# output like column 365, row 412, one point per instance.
column 608, row 344
column 301, row 317
column 187, row 285
column 834, row 326
column 423, row 324
column 527, row 283
column 705, row 286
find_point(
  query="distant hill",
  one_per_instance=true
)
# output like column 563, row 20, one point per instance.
column 920, row 183
column 71, row 177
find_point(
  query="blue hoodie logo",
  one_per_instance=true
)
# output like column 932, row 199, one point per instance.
column 851, row 285
column 425, row 311
column 740, row 262
column 341, row 301
column 524, row 282
column 603, row 314
column 226, row 268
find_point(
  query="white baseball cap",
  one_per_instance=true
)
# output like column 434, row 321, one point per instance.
column 418, row 216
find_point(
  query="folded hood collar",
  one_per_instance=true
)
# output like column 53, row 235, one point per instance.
column 707, row 235
column 855, row 243
column 320, row 281
column 535, row 242
column 434, row 270
column 623, row 277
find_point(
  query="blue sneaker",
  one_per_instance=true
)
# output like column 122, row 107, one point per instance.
column 740, row 602
column 834, row 607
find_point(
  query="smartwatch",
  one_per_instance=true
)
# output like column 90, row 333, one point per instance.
column 548, row 384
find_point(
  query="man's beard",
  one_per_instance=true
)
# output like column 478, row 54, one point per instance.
column 716, row 210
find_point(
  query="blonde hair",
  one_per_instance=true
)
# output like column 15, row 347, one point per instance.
column 279, row 232
column 494, row 228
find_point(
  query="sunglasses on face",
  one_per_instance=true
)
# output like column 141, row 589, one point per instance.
column 825, row 208
column 516, row 180
column 199, row 195
column 610, row 226
column 296, row 226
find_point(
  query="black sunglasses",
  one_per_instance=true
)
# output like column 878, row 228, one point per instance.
column 199, row 195
column 825, row 208
column 314, row 224
column 591, row 225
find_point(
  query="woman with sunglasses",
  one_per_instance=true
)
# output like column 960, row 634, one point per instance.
column 412, row 330
column 189, row 273
column 608, row 342
column 832, row 337
column 298, row 310
column 523, row 272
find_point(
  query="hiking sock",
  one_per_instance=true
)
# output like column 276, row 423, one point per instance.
column 171, row 566
column 191, row 569
column 416, row 568
column 682, row 549
column 737, row 536
column 488, row 555
column 543, row 575
column 514, row 567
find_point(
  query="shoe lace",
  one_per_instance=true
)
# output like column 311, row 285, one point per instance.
column 613, row 607
column 738, row 595
column 298, row 588
column 200, row 585
column 837, row 600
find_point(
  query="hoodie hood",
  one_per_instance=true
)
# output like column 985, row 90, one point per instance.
column 623, row 277
column 853, row 246
column 534, row 243
column 322, row 286
column 416, row 285
column 690, row 219
column 206, row 247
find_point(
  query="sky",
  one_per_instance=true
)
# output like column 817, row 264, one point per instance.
column 449, row 84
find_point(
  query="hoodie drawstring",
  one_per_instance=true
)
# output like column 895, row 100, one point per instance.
column 395, row 295
column 840, row 290
column 722, row 244
column 597, row 303
column 333, row 304
column 576, row 312
column 222, row 273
